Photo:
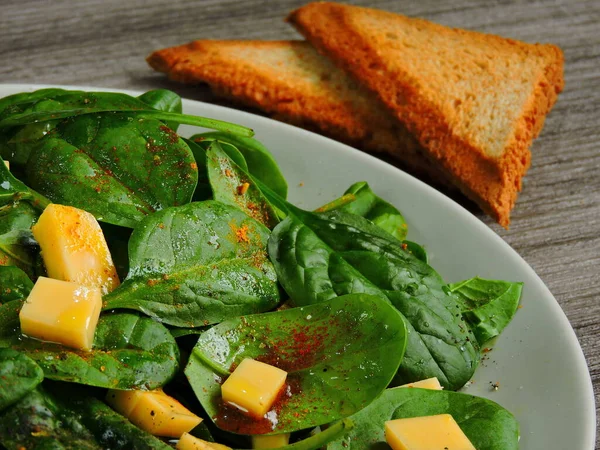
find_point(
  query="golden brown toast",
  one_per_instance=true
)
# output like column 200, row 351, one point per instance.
column 293, row 82
column 474, row 101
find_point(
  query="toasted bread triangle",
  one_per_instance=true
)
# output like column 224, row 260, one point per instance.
column 293, row 82
column 474, row 101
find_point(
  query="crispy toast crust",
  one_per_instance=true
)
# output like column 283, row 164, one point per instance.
column 491, row 181
column 299, row 87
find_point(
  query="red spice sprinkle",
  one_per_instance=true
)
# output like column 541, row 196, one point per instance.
column 305, row 348
column 243, row 188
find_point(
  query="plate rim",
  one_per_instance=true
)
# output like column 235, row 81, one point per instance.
column 590, row 427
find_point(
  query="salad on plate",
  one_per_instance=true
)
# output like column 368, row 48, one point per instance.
column 158, row 291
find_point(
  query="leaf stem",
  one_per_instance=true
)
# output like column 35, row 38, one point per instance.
column 337, row 203
column 324, row 437
column 205, row 122
column 198, row 121
column 214, row 366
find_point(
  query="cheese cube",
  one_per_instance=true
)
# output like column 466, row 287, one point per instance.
column 270, row 441
column 439, row 432
column 123, row 401
column 74, row 249
column 7, row 164
column 189, row 442
column 154, row 412
column 429, row 383
column 61, row 312
column 253, row 387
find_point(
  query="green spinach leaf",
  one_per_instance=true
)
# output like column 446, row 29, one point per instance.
column 261, row 163
column 68, row 104
column 14, row 284
column 17, row 143
column 487, row 425
column 19, row 375
column 198, row 264
column 487, row 305
column 321, row 256
column 9, row 322
column 17, row 246
column 17, row 103
column 164, row 100
column 199, row 149
column 115, row 166
column 67, row 417
column 232, row 186
column 319, row 440
column 117, row 239
column 129, row 352
column 13, row 190
column 417, row 250
column 360, row 199
column 339, row 356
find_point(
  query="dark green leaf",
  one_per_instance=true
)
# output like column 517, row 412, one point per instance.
column 9, row 322
column 181, row 332
column 335, row 431
column 231, row 150
column 36, row 423
column 129, row 352
column 321, row 256
column 67, row 417
column 17, row 246
column 19, row 375
column 110, row 429
column 339, row 356
column 115, row 166
column 487, row 425
column 164, row 100
column 487, row 305
column 261, row 163
column 198, row 264
column 203, row 190
column 23, row 100
column 67, row 104
column 117, row 239
column 232, row 186
column 17, row 143
column 14, row 284
column 368, row 205
column 13, row 190
column 417, row 250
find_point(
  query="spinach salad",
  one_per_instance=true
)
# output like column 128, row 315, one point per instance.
column 216, row 266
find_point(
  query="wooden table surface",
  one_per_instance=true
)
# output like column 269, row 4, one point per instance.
column 556, row 223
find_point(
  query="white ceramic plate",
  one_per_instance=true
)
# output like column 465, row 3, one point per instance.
column 543, row 376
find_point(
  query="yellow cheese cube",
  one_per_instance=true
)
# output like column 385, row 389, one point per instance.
column 429, row 383
column 74, row 249
column 62, row 312
column 123, row 401
column 439, row 432
column 154, row 412
column 253, row 387
column 270, row 441
column 189, row 442
column 7, row 164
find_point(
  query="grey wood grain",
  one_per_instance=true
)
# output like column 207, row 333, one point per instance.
column 556, row 224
